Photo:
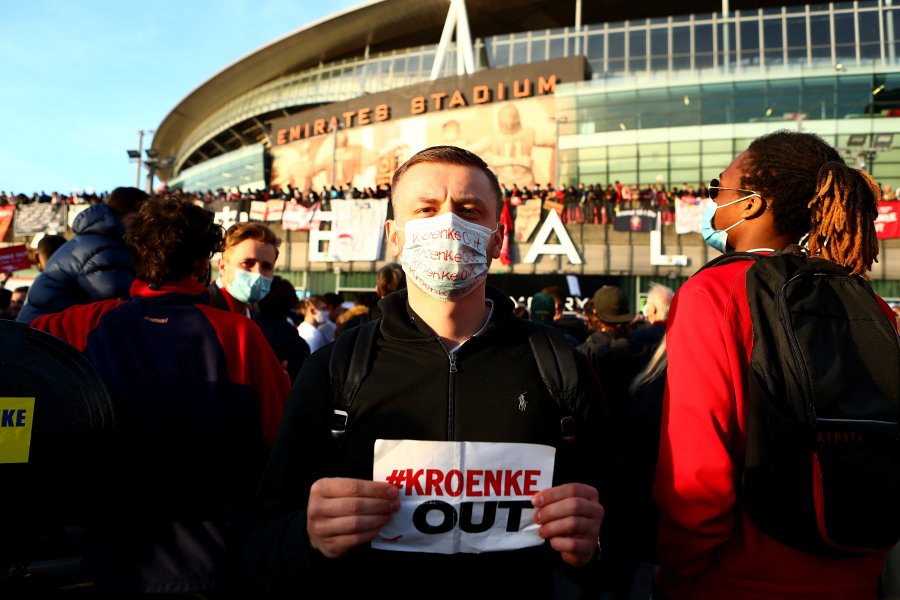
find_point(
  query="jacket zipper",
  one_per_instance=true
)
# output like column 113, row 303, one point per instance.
column 451, row 390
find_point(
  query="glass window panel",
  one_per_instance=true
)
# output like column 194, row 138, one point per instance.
column 727, row 42
column 783, row 97
column 703, row 38
column 820, row 34
column 854, row 95
column 538, row 49
column 623, row 172
column 624, row 151
column 596, row 153
column 681, row 47
column 595, row 46
column 659, row 49
column 501, row 55
column 637, row 48
column 689, row 176
column 773, row 42
column 558, row 47
column 869, row 39
column 710, row 146
column 749, row 102
column 749, row 42
column 520, row 52
column 844, row 36
column 716, row 103
column 679, row 162
column 616, row 65
column 415, row 64
column 894, row 15
column 796, row 30
column 617, row 52
column 818, row 98
column 716, row 162
column 678, row 148
column 653, row 158
column 703, row 46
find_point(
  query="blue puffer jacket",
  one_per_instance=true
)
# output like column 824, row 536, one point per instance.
column 93, row 265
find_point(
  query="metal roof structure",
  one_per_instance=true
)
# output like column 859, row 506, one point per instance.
column 385, row 25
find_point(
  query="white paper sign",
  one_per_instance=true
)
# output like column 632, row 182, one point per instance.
column 462, row 496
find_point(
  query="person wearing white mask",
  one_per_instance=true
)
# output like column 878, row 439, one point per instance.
column 246, row 268
column 315, row 314
column 450, row 363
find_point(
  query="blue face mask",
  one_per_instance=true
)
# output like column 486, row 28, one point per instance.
column 717, row 238
column 249, row 287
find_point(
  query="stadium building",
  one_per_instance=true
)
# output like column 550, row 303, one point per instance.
column 550, row 92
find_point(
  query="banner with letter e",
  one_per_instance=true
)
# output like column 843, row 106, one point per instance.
column 15, row 429
column 458, row 497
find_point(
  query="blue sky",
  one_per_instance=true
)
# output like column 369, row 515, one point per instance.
column 80, row 79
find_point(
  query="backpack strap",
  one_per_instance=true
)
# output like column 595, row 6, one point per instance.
column 351, row 359
column 730, row 257
column 556, row 364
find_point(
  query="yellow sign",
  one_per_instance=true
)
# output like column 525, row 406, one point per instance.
column 16, row 416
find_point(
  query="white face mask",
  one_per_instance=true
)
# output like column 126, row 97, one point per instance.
column 322, row 316
column 445, row 256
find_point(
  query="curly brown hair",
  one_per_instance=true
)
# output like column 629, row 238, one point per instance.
column 169, row 237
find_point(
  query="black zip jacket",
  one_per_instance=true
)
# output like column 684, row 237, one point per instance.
column 416, row 390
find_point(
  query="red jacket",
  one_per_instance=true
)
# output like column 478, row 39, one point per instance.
column 707, row 545
column 198, row 397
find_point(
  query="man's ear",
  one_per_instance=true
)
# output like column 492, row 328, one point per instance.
column 754, row 207
column 221, row 265
column 392, row 234
column 498, row 246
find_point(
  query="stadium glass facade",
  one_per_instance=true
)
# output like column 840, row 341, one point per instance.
column 829, row 68
column 668, row 100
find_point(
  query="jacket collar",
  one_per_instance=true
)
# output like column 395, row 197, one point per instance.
column 187, row 286
column 400, row 321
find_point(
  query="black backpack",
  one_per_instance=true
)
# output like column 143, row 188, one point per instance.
column 351, row 361
column 821, row 471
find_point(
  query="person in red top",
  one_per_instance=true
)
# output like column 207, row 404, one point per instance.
column 198, row 397
column 785, row 186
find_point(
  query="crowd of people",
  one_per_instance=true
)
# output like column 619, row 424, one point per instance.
column 591, row 203
column 233, row 470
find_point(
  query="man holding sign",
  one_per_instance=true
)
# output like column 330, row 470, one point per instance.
column 452, row 466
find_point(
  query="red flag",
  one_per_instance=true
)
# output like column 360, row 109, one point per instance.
column 506, row 219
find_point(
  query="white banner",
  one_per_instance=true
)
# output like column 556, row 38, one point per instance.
column 688, row 211
column 357, row 229
column 457, row 497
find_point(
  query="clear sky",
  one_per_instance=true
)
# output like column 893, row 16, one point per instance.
column 79, row 79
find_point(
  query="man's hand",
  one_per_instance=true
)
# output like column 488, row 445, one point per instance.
column 570, row 516
column 345, row 513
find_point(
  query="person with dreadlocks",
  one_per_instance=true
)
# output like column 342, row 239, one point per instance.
column 786, row 188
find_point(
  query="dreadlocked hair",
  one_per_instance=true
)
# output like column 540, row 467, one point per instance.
column 843, row 214
column 782, row 167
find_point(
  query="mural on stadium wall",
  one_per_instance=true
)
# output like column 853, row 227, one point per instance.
column 516, row 138
column 506, row 115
